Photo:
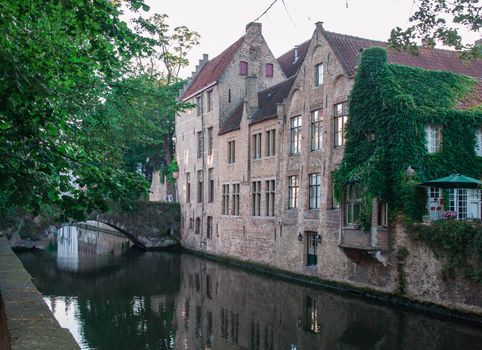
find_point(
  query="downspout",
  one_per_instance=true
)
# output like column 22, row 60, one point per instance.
column 201, row 229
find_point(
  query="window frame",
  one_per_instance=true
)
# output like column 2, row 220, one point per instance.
column 293, row 191
column 225, row 200
column 316, row 138
column 295, row 135
column 256, row 146
column 314, row 191
column 210, row 185
column 188, row 187
column 434, row 136
column 256, row 198
column 319, row 74
column 210, row 100
column 352, row 206
column 231, row 152
column 340, row 118
column 270, row 193
column 210, row 140
column 200, row 186
column 270, row 143
column 200, row 144
column 235, row 204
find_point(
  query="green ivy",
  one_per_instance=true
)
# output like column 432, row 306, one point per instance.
column 390, row 106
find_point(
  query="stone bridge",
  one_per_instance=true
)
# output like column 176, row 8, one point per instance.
column 150, row 225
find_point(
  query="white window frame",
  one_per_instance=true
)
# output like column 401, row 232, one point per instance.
column 434, row 138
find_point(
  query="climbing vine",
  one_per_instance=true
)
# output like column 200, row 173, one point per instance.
column 390, row 106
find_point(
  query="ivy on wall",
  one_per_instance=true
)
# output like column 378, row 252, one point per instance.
column 390, row 106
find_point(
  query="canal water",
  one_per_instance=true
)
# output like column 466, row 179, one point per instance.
column 113, row 297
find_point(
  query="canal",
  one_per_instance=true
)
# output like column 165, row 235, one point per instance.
column 112, row 296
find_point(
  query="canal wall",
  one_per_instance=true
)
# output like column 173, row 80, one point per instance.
column 27, row 322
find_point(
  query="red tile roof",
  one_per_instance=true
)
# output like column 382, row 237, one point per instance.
column 473, row 98
column 267, row 100
column 212, row 70
column 347, row 48
column 287, row 60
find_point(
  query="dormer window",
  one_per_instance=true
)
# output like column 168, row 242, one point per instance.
column 269, row 70
column 243, row 68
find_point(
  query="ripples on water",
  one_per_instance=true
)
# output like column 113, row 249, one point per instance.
column 113, row 297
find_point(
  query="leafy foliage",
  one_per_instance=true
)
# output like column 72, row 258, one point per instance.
column 429, row 23
column 390, row 106
column 460, row 242
column 73, row 115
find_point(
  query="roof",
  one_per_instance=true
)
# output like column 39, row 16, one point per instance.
column 287, row 60
column 347, row 48
column 267, row 101
column 213, row 69
column 473, row 98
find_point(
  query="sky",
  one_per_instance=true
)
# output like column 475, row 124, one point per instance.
column 287, row 23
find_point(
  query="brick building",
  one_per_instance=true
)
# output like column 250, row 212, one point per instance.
column 257, row 154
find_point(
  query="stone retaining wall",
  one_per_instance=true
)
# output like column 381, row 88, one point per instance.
column 28, row 321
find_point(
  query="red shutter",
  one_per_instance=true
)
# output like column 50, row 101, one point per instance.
column 269, row 69
column 243, row 68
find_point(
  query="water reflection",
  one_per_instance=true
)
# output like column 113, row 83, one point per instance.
column 171, row 301
column 88, row 246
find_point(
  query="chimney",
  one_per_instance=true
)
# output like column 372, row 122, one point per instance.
column 296, row 54
column 428, row 43
column 253, row 29
column 251, row 94
column 319, row 25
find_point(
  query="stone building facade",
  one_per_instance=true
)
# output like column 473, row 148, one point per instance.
column 255, row 167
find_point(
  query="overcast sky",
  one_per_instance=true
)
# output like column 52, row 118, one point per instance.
column 221, row 22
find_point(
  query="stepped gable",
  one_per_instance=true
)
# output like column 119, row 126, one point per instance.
column 287, row 60
column 267, row 100
column 212, row 70
column 347, row 48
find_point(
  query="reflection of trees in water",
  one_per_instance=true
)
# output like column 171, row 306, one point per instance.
column 168, row 301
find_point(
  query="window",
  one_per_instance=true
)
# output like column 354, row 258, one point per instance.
column 270, row 199
column 340, row 118
column 319, row 74
column 199, row 105
column 382, row 212
column 293, row 187
column 243, row 68
column 209, row 228
column 295, row 135
column 314, row 190
column 268, row 68
column 478, row 143
column 270, row 142
column 231, row 152
column 235, row 206
column 210, row 141
column 188, row 187
column 199, row 144
column 199, row 186
column 211, row 185
column 210, row 100
column 434, row 203
column 353, row 205
column 225, row 199
column 191, row 223
column 434, row 138
column 256, row 146
column 316, row 130
column 311, row 244
column 229, row 95
column 256, row 192
column 197, row 230
column 458, row 202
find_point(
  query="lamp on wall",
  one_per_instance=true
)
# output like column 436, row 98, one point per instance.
column 300, row 237
column 410, row 171
column 318, row 239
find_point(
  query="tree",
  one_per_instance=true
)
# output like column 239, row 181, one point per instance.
column 58, row 63
column 430, row 24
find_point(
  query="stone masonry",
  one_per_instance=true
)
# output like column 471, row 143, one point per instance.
column 253, row 104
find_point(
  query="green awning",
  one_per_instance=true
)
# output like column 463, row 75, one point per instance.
column 454, row 181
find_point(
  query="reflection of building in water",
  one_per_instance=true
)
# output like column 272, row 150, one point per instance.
column 84, row 247
column 221, row 308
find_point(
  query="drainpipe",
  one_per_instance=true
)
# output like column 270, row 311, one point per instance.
column 203, row 174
